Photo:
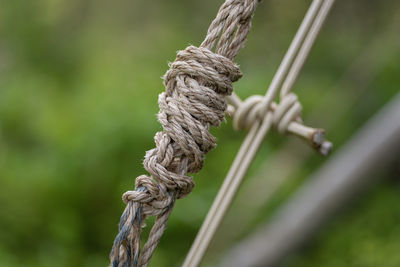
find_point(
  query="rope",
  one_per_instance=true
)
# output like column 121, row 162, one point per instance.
column 196, row 86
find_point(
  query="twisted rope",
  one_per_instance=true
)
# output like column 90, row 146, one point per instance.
column 194, row 99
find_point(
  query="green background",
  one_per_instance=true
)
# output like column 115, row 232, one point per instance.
column 78, row 100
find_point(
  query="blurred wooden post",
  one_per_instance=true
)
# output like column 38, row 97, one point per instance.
column 329, row 188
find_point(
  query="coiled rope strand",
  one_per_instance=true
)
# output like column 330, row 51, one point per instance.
column 194, row 99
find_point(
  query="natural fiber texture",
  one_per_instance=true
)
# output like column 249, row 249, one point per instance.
column 194, row 99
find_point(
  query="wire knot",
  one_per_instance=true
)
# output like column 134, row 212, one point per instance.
column 287, row 111
column 286, row 118
column 247, row 112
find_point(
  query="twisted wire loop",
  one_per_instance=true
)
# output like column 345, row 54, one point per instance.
column 194, row 99
column 286, row 118
column 288, row 110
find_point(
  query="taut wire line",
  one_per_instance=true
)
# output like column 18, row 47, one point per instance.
column 260, row 114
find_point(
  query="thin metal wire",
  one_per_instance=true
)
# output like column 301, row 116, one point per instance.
column 306, row 48
column 308, row 30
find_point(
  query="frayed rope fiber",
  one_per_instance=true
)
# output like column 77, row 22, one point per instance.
column 194, row 99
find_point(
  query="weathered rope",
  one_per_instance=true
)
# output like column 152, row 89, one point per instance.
column 194, row 99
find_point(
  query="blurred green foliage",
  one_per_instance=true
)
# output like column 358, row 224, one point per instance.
column 78, row 87
column 367, row 234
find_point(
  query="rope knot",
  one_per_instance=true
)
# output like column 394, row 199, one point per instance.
column 196, row 85
column 153, row 199
column 194, row 100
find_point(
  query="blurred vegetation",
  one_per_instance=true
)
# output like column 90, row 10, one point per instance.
column 78, row 87
column 367, row 234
